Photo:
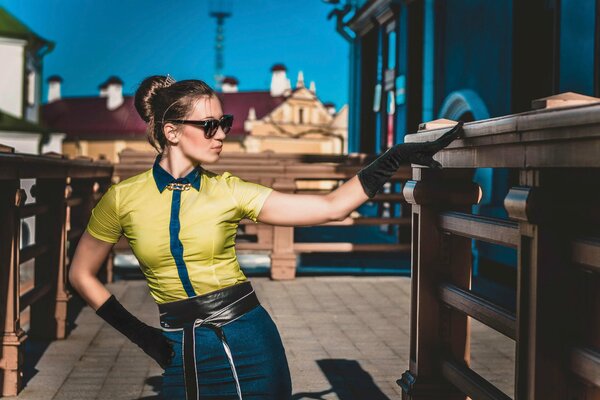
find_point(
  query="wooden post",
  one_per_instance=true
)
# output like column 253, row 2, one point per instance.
column 436, row 258
column 543, row 208
column 11, row 334
column 49, row 316
column 283, row 257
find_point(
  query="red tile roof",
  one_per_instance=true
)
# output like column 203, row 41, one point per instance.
column 239, row 104
column 88, row 117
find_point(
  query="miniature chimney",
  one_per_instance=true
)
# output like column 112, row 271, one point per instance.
column 278, row 80
column 251, row 120
column 54, row 84
column 229, row 85
column 300, row 81
column 313, row 87
column 113, row 90
column 288, row 87
column 252, row 114
column 330, row 107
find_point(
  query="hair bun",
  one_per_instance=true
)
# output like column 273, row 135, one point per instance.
column 146, row 93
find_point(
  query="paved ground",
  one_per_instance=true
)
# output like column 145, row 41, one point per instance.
column 345, row 337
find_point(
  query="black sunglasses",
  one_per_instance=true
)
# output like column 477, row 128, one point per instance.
column 209, row 126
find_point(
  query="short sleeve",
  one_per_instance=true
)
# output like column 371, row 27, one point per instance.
column 104, row 222
column 250, row 197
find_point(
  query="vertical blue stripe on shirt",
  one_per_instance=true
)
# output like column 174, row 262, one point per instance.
column 177, row 246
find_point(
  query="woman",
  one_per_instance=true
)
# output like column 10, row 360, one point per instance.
column 215, row 341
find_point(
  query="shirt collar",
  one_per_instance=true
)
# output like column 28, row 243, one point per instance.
column 163, row 178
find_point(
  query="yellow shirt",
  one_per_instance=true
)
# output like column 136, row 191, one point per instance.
column 184, row 240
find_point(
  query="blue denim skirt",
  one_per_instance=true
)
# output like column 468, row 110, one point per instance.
column 258, row 357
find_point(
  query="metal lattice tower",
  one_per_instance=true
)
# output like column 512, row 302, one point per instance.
column 220, row 10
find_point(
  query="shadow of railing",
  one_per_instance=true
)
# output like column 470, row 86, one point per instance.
column 349, row 381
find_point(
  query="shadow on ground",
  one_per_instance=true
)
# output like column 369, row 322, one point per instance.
column 349, row 381
column 35, row 346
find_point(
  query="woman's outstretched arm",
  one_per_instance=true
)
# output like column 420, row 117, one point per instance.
column 303, row 209
column 285, row 209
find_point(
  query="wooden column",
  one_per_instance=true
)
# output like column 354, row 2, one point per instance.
column 437, row 258
column 11, row 334
column 548, row 216
column 49, row 316
column 283, row 257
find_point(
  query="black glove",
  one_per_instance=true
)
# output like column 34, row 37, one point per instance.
column 148, row 338
column 373, row 176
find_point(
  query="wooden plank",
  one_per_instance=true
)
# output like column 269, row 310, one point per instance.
column 73, row 234
column 73, row 201
column 586, row 251
column 479, row 308
column 253, row 246
column 34, row 295
column 341, row 247
column 471, row 383
column 585, row 363
column 493, row 230
column 32, row 209
column 369, row 221
column 32, row 251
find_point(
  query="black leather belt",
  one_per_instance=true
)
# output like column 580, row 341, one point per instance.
column 212, row 310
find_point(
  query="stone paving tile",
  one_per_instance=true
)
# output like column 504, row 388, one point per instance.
column 345, row 337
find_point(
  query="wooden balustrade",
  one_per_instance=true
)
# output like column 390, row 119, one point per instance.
column 64, row 196
column 285, row 173
column 554, row 224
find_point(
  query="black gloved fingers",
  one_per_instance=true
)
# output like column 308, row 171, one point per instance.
column 426, row 160
column 448, row 137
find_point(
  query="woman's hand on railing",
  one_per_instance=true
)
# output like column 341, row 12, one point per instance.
column 376, row 174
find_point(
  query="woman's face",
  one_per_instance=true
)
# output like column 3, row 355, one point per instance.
column 192, row 141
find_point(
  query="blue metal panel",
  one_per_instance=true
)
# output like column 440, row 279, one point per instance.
column 577, row 29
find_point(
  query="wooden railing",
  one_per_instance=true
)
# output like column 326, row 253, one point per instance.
column 65, row 192
column 292, row 173
column 554, row 224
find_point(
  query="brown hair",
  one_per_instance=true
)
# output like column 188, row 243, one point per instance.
column 159, row 98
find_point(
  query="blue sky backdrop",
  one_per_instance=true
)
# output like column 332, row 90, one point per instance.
column 137, row 38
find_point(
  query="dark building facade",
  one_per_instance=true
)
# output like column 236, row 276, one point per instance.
column 420, row 60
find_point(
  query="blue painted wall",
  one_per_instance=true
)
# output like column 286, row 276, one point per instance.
column 473, row 50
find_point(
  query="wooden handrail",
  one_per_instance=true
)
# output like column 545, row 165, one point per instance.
column 553, row 223
column 46, row 295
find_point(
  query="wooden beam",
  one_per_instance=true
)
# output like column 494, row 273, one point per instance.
column 471, row 383
column 586, row 251
column 585, row 363
column 341, row 247
column 479, row 308
column 31, row 209
column 492, row 230
column 34, row 295
column 32, row 251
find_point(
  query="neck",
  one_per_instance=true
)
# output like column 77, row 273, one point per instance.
column 176, row 164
